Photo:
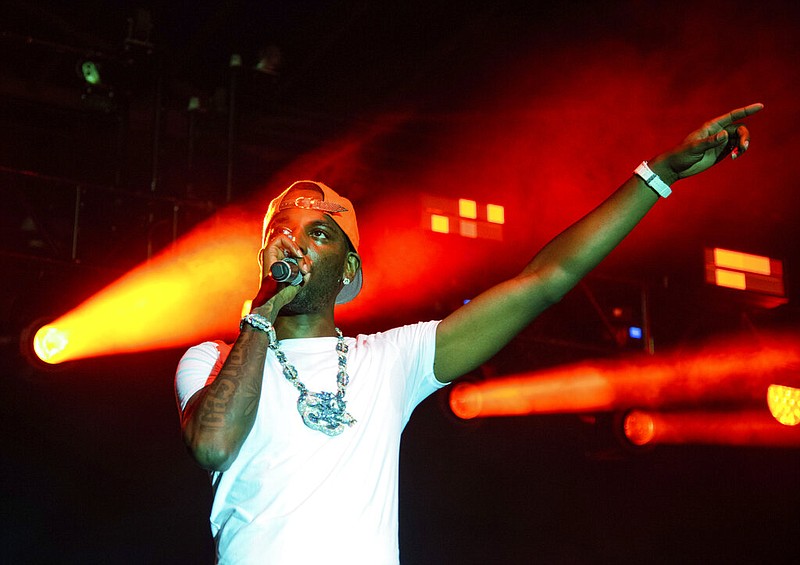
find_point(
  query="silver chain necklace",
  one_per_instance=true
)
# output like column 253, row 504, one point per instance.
column 321, row 411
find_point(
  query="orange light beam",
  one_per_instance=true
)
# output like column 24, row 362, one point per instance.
column 736, row 428
column 194, row 291
column 734, row 371
column 182, row 295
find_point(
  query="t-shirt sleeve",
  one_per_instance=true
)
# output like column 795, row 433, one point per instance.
column 198, row 368
column 417, row 346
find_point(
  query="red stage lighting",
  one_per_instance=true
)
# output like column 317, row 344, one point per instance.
column 760, row 277
column 672, row 392
column 739, row 428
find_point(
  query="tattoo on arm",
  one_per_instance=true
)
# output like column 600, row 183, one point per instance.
column 240, row 379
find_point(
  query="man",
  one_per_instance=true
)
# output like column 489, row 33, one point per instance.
column 300, row 426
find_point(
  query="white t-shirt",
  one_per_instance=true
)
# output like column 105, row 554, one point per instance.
column 296, row 495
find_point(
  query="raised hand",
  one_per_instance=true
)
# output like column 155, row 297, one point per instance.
column 711, row 143
column 281, row 245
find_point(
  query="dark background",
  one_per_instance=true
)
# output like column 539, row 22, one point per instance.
column 549, row 105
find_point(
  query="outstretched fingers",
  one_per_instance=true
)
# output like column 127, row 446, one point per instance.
column 735, row 115
column 714, row 141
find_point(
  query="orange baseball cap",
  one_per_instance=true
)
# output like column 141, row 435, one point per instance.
column 340, row 210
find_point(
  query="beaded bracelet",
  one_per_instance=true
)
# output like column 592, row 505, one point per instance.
column 260, row 323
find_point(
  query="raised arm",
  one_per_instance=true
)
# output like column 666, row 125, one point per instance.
column 218, row 418
column 478, row 330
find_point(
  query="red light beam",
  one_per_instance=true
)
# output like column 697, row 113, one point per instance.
column 737, row 428
column 732, row 372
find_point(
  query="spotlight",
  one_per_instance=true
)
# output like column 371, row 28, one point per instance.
column 90, row 71
column 784, row 404
column 42, row 344
column 465, row 400
column 49, row 342
column 638, row 427
column 736, row 428
column 151, row 307
column 99, row 83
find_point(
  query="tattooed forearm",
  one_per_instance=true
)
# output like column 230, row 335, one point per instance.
column 215, row 405
column 218, row 419
column 236, row 390
column 253, row 394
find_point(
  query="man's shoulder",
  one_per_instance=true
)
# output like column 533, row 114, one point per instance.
column 405, row 333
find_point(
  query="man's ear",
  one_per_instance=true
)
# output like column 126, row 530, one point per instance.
column 352, row 265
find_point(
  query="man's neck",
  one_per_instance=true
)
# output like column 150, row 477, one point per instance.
column 305, row 325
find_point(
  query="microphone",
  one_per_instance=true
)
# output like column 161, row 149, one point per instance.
column 286, row 271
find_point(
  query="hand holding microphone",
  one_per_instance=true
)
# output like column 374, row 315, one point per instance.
column 286, row 271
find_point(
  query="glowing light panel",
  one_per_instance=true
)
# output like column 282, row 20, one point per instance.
column 440, row 224
column 745, row 262
column 784, row 404
column 467, row 208
column 495, row 214
column 730, row 279
column 463, row 217
column 760, row 277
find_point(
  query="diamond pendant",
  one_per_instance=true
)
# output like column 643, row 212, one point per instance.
column 324, row 412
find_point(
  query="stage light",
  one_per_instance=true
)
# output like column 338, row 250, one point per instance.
column 467, row 208
column 635, row 332
column 734, row 372
column 464, row 402
column 573, row 390
column 42, row 345
column 760, row 277
column 495, row 214
column 639, row 428
column 49, row 342
column 440, row 224
column 730, row 279
column 90, row 72
column 736, row 428
column 186, row 294
column 744, row 262
column 784, row 404
column 471, row 220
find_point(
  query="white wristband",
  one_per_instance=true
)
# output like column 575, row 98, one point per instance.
column 652, row 180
